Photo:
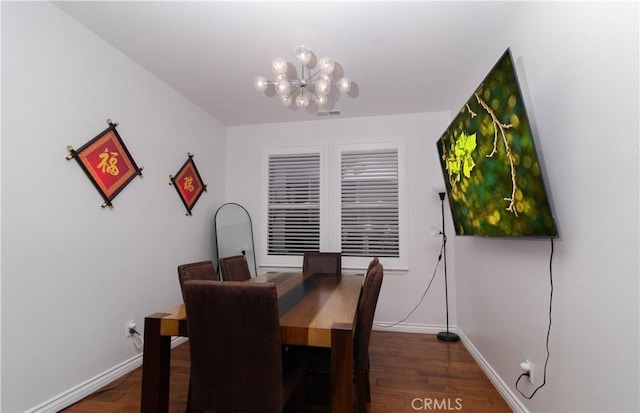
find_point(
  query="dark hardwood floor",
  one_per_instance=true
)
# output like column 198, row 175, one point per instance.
column 409, row 373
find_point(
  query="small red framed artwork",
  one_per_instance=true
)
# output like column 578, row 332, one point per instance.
column 188, row 184
column 107, row 162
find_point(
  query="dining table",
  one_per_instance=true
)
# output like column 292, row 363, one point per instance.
column 316, row 310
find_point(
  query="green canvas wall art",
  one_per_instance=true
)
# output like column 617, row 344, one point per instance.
column 489, row 163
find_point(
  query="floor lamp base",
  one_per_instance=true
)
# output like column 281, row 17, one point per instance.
column 448, row 336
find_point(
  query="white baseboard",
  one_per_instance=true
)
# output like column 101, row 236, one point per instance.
column 82, row 390
column 503, row 388
column 509, row 396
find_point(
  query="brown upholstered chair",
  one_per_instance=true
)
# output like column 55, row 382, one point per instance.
column 236, row 355
column 364, row 325
column 320, row 358
column 234, row 268
column 322, row 262
column 202, row 270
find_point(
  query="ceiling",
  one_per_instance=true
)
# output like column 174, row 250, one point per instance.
column 403, row 57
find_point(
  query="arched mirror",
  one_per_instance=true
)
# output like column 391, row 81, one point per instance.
column 234, row 234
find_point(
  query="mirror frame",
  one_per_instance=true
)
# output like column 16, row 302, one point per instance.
column 215, row 227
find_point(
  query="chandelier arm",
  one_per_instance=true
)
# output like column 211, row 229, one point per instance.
column 311, row 77
column 295, row 88
column 311, row 80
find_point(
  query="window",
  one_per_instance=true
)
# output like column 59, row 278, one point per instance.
column 341, row 197
column 294, row 204
column 369, row 210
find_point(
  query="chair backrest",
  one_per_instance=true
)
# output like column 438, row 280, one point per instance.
column 366, row 311
column 322, row 262
column 234, row 268
column 372, row 264
column 202, row 270
column 375, row 261
column 235, row 347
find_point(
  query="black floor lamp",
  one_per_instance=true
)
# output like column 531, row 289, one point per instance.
column 445, row 335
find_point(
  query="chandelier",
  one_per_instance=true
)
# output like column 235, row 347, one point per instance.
column 308, row 85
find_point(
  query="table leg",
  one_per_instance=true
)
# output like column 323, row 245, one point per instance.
column 341, row 370
column 156, row 360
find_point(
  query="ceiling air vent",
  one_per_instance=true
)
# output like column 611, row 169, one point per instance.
column 329, row 113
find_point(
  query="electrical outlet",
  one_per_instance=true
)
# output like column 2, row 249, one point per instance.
column 128, row 326
column 527, row 367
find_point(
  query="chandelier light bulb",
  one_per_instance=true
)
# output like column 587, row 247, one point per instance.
column 326, row 76
column 283, row 87
column 326, row 65
column 279, row 65
column 285, row 99
column 321, row 100
column 260, row 83
column 322, row 87
column 344, row 85
column 303, row 55
column 302, row 101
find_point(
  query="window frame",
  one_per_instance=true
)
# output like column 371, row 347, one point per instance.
column 330, row 204
column 399, row 263
column 267, row 260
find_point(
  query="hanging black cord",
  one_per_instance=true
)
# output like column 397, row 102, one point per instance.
column 435, row 271
column 544, row 375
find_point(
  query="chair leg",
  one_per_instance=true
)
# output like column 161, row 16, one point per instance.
column 368, row 380
column 189, row 398
column 361, row 392
column 368, row 384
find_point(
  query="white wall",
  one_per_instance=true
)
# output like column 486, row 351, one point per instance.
column 72, row 272
column 578, row 63
column 401, row 291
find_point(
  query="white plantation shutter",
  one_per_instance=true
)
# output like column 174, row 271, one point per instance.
column 294, row 204
column 370, row 203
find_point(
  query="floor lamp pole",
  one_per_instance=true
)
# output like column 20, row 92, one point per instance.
column 445, row 335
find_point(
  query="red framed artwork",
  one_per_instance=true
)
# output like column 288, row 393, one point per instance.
column 188, row 183
column 107, row 162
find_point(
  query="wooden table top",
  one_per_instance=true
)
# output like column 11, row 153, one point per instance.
column 310, row 307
